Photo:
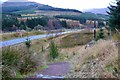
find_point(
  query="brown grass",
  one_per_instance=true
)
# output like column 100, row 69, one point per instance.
column 102, row 54
column 116, row 37
column 13, row 35
column 75, row 39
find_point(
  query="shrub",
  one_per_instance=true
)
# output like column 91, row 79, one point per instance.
column 100, row 35
column 28, row 43
column 27, row 65
column 53, row 50
column 10, row 59
column 17, row 60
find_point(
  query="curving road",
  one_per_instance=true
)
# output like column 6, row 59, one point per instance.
column 20, row 40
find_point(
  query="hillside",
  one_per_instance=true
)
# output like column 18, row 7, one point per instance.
column 97, row 61
column 85, row 16
column 97, row 11
column 28, row 7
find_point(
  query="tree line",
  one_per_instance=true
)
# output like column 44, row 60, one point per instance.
column 10, row 22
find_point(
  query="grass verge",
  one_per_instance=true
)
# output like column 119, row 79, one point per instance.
column 13, row 35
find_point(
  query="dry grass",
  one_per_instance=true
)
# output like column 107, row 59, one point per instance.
column 103, row 53
column 92, row 62
column 75, row 39
column 13, row 35
column 116, row 37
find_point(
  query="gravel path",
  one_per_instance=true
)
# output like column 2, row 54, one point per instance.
column 55, row 70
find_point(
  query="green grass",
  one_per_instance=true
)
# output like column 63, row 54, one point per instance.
column 76, row 39
column 43, row 67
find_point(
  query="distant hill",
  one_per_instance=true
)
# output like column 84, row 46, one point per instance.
column 28, row 6
column 20, row 4
column 85, row 16
column 97, row 11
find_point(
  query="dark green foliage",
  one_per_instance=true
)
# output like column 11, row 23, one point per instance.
column 103, row 16
column 15, row 61
column 42, row 48
column 64, row 24
column 18, row 6
column 84, row 16
column 100, row 24
column 50, row 8
column 37, row 21
column 89, row 16
column 8, row 21
column 100, row 35
column 27, row 66
column 53, row 50
column 28, row 43
column 114, row 13
column 23, row 27
column 23, row 6
column 10, row 58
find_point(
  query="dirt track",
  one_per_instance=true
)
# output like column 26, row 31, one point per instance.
column 56, row 69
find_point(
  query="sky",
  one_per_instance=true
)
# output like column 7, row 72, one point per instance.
column 74, row 4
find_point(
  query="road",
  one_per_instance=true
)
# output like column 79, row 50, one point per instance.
column 20, row 40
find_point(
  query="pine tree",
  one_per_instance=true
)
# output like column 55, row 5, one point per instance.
column 53, row 50
column 100, row 35
column 114, row 13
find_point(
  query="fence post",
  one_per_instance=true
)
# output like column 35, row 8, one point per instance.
column 94, row 30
